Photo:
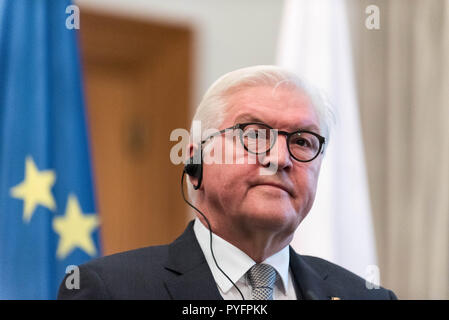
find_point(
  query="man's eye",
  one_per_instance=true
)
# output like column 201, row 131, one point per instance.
column 252, row 134
column 302, row 143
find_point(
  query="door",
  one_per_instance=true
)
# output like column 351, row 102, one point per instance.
column 137, row 83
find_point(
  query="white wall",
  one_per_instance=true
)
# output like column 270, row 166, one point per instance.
column 229, row 34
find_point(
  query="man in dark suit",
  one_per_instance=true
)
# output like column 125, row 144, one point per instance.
column 249, row 205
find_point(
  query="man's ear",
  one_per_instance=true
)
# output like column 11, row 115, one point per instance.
column 191, row 150
column 193, row 154
column 193, row 165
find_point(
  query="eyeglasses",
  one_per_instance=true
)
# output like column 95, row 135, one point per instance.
column 259, row 138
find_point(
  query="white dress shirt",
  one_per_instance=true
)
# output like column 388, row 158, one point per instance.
column 235, row 263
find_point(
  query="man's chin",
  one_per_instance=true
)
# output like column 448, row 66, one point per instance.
column 273, row 216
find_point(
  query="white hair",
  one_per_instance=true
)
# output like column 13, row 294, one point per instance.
column 211, row 111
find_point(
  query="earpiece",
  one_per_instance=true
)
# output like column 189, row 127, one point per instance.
column 195, row 170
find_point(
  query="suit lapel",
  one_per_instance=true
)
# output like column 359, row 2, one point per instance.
column 312, row 285
column 193, row 280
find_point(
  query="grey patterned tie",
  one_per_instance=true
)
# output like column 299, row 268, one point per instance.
column 262, row 278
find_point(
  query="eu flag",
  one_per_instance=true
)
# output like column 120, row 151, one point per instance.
column 48, row 217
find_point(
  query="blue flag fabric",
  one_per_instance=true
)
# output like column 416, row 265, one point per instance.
column 48, row 217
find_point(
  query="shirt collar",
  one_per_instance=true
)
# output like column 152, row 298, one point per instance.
column 233, row 261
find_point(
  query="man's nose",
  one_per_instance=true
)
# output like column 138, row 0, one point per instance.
column 278, row 155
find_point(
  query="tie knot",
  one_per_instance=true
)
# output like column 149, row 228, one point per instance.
column 262, row 278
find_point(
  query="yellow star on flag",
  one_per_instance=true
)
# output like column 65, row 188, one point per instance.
column 75, row 230
column 35, row 189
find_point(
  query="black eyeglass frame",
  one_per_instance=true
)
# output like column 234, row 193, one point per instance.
column 242, row 126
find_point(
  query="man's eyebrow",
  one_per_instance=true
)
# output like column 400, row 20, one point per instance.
column 248, row 118
column 252, row 118
column 311, row 127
